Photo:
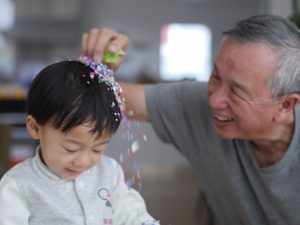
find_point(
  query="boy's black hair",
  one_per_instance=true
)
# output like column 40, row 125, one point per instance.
column 65, row 95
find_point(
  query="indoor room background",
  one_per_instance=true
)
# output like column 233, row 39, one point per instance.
column 34, row 33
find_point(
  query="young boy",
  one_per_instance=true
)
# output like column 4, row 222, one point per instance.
column 73, row 109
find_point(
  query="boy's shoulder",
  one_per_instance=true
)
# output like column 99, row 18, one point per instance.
column 108, row 162
column 20, row 169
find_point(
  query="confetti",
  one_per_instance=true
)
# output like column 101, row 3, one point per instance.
column 130, row 113
column 133, row 135
column 102, row 73
column 145, row 137
column 135, row 146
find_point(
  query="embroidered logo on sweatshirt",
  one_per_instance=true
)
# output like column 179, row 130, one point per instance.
column 107, row 221
column 104, row 194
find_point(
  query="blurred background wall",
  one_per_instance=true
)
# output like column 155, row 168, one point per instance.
column 34, row 33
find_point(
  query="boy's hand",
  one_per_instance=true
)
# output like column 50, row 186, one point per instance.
column 105, row 45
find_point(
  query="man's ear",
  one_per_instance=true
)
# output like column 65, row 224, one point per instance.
column 287, row 106
column 33, row 127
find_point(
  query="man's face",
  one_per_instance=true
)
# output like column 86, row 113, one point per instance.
column 68, row 155
column 240, row 100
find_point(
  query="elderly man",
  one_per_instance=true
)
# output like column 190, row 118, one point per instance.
column 241, row 130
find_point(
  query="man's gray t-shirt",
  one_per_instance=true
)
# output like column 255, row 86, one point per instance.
column 236, row 189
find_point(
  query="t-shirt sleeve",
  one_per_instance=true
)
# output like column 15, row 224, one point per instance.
column 13, row 208
column 179, row 112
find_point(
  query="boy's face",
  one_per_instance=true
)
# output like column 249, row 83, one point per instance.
column 68, row 154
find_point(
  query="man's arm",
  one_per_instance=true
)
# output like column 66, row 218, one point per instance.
column 95, row 43
column 134, row 95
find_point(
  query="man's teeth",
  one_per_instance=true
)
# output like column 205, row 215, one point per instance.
column 223, row 118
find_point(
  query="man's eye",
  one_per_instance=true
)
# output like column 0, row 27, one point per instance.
column 215, row 78
column 238, row 93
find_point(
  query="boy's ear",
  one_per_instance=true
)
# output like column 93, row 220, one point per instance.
column 33, row 127
column 288, row 105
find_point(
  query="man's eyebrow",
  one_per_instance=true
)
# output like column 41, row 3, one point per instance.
column 215, row 68
column 241, row 86
column 216, row 71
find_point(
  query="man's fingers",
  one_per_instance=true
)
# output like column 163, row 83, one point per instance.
column 119, row 42
column 97, row 41
column 93, row 41
column 84, row 43
column 103, row 39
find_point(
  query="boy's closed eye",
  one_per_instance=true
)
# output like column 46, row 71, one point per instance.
column 70, row 150
column 98, row 151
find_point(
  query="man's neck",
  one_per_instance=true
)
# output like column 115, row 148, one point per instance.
column 269, row 151
column 269, row 154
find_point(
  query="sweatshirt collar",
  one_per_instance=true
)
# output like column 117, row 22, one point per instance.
column 41, row 169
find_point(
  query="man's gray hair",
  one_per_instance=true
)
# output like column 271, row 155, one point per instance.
column 284, row 37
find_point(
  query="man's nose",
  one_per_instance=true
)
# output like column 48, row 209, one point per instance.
column 218, row 97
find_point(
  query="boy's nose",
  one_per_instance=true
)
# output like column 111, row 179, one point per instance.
column 83, row 161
